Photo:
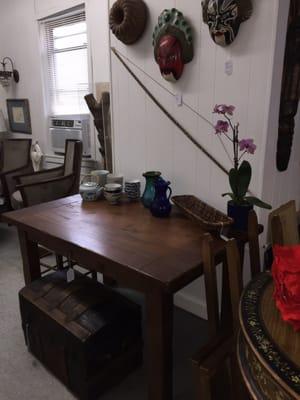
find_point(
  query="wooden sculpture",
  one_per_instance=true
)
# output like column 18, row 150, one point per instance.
column 101, row 113
column 290, row 92
column 128, row 19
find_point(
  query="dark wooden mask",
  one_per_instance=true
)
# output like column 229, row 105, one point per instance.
column 290, row 92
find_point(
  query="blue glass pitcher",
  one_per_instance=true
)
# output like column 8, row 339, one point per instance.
column 161, row 206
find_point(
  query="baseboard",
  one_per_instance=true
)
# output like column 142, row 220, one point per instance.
column 191, row 304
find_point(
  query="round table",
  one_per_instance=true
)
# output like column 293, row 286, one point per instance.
column 268, row 348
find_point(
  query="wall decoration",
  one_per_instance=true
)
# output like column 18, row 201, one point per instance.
column 102, row 120
column 19, row 115
column 36, row 156
column 290, row 92
column 7, row 76
column 173, row 44
column 224, row 18
column 127, row 20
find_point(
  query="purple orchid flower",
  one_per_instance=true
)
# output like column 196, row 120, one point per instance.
column 221, row 127
column 223, row 109
column 247, row 145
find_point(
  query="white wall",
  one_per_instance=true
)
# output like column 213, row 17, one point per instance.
column 23, row 46
column 153, row 142
column 146, row 140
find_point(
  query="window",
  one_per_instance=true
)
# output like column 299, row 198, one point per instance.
column 67, row 78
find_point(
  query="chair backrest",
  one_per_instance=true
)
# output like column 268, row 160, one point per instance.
column 72, row 163
column 283, row 225
column 16, row 153
column 234, row 271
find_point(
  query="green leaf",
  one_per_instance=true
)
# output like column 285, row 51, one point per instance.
column 239, row 180
column 230, row 195
column 259, row 203
column 244, row 178
column 234, row 181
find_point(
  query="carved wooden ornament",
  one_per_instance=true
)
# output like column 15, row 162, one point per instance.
column 173, row 44
column 128, row 19
column 290, row 93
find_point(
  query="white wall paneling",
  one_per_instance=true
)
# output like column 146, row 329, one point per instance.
column 160, row 145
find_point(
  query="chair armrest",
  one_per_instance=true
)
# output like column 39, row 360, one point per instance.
column 8, row 178
column 49, row 190
column 40, row 176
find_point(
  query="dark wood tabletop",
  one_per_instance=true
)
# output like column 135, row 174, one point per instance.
column 269, row 348
column 162, row 252
column 126, row 243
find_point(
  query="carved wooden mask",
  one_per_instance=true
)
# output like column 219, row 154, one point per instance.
column 290, row 92
column 173, row 44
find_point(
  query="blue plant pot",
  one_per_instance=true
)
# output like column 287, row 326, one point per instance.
column 239, row 214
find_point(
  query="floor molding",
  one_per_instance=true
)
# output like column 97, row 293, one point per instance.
column 191, row 304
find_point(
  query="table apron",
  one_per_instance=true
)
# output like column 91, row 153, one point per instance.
column 95, row 262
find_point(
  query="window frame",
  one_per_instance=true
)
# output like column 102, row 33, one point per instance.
column 45, row 58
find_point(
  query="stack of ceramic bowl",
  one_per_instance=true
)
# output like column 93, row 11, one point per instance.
column 112, row 178
column 133, row 189
column 113, row 192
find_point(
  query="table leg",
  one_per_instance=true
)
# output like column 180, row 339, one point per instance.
column 30, row 257
column 159, row 307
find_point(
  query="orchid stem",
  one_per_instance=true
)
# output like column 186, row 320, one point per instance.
column 242, row 155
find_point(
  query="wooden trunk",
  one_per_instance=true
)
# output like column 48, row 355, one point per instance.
column 86, row 334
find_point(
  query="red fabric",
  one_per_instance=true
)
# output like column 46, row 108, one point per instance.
column 286, row 274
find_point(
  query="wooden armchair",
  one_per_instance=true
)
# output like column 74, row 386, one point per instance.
column 215, row 366
column 48, row 185
column 14, row 161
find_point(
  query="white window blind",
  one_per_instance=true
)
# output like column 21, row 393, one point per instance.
column 67, row 63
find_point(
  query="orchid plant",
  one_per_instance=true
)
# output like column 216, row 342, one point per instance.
column 240, row 174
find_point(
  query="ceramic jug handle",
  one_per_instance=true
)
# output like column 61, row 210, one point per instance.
column 170, row 190
column 85, row 176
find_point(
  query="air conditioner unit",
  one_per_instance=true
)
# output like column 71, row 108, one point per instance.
column 63, row 127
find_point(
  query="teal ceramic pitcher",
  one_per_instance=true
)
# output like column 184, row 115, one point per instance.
column 149, row 193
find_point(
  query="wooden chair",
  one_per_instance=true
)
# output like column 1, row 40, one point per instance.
column 15, row 160
column 48, row 185
column 52, row 184
column 218, row 358
column 283, row 225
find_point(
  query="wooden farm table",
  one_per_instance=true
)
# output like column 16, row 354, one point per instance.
column 126, row 243
column 268, row 347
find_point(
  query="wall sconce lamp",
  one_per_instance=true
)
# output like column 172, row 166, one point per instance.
column 6, row 75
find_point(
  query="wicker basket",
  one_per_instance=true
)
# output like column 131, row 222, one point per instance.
column 208, row 217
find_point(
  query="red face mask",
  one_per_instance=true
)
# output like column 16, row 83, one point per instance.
column 169, row 58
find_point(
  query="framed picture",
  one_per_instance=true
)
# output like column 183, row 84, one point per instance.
column 19, row 115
